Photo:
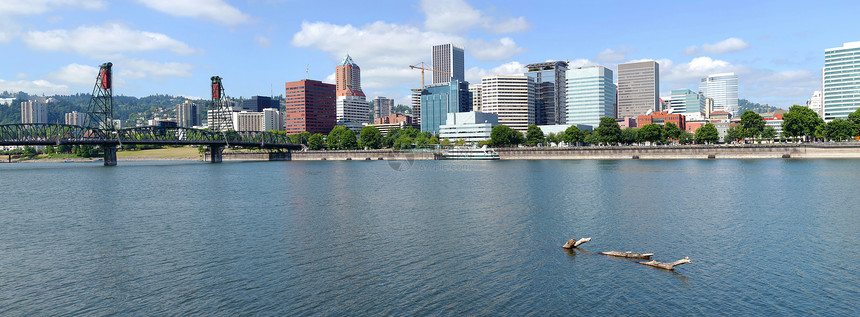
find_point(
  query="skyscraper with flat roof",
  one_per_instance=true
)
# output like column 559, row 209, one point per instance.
column 724, row 89
column 841, row 81
column 550, row 90
column 438, row 100
column 34, row 111
column 638, row 88
column 512, row 97
column 448, row 58
column 310, row 106
column 590, row 95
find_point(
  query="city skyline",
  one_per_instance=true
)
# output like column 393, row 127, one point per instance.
column 173, row 48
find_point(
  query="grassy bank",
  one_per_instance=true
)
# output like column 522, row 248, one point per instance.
column 166, row 154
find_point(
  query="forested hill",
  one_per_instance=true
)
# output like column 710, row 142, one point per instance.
column 744, row 105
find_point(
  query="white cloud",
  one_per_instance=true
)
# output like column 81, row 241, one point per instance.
column 499, row 49
column 457, row 16
column 262, row 41
column 21, row 75
column 76, row 74
column 474, row 74
column 728, row 45
column 214, row 10
column 104, row 40
column 35, row 87
column 141, row 69
column 614, row 56
column 29, row 7
column 696, row 69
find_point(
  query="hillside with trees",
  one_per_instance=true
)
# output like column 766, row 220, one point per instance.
column 744, row 105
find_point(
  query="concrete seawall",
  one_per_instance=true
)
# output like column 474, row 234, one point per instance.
column 370, row 155
column 684, row 152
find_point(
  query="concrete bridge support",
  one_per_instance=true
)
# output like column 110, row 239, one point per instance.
column 110, row 155
column 215, row 153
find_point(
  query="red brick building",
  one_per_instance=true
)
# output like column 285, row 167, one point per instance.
column 660, row 118
column 393, row 118
column 310, row 106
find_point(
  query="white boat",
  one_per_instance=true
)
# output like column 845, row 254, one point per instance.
column 470, row 153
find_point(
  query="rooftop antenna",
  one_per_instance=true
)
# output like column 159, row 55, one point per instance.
column 308, row 71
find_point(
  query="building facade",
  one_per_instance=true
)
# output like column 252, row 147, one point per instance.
column 448, row 58
column 438, row 100
column 258, row 103
column 472, row 127
column 687, row 102
column 34, row 111
column 351, row 104
column 724, row 89
column 187, row 114
column 512, row 97
column 815, row 103
column 393, row 118
column 638, row 88
column 309, row 106
column 382, row 107
column 75, row 118
column 841, row 81
column 416, row 104
column 475, row 94
column 550, row 82
column 660, row 118
column 590, row 95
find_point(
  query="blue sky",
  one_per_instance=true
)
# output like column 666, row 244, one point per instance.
column 174, row 46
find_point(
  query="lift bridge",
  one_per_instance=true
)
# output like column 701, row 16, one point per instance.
column 99, row 129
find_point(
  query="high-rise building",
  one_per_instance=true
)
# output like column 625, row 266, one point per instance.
column 272, row 120
column 841, row 81
column 75, row 118
column 724, row 89
column 351, row 104
column 709, row 107
column 34, row 111
column 187, row 114
column 815, row 103
column 512, row 97
column 310, row 106
column 448, row 58
column 438, row 100
column 258, row 103
column 688, row 102
column 550, row 89
column 416, row 105
column 590, row 95
column 382, row 107
column 638, row 88
column 475, row 94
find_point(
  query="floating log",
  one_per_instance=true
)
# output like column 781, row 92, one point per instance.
column 629, row 255
column 666, row 266
column 572, row 243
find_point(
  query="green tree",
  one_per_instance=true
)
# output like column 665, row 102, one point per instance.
column 630, row 136
column 707, row 134
column 608, row 131
column 50, row 149
column 839, row 129
column 461, row 142
column 551, row 138
column 403, row 142
column 752, row 124
column 64, row 148
column 370, row 137
column 502, row 135
column 410, row 132
column 590, row 137
column 573, row 135
column 534, row 135
column 315, row 142
column 854, row 117
column 333, row 139
column 768, row 133
column 800, row 122
column 686, row 137
column 445, row 142
column 348, row 140
column 651, row 133
column 734, row 133
column 298, row 138
column 672, row 131
column 29, row 151
column 422, row 141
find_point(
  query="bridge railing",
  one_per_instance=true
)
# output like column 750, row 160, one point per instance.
column 48, row 132
column 42, row 132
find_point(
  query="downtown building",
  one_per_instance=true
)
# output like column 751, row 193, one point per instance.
column 187, row 114
column 590, row 95
column 438, row 100
column 309, row 106
column 352, row 108
column 512, row 97
column 258, row 103
column 841, row 81
column 34, row 111
column 448, row 58
column 267, row 120
column 723, row 88
column 550, row 82
column 475, row 95
column 815, row 103
column 638, row 88
column 688, row 103
column 75, row 118
column 382, row 107
column 471, row 127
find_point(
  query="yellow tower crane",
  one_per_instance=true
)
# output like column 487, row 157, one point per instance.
column 422, row 68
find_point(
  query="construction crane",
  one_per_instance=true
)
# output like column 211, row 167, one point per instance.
column 422, row 68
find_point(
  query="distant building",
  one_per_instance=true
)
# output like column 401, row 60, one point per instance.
column 686, row 102
column 272, row 120
column 512, row 98
column 34, row 111
column 416, row 104
column 351, row 104
column 382, row 107
column 258, row 103
column 638, row 88
column 6, row 101
column 393, row 118
column 625, row 123
column 775, row 122
column 692, row 126
column 187, row 114
column 472, row 126
column 400, row 122
column 267, row 120
column 709, row 107
column 448, row 58
column 660, row 118
column 721, row 115
column 75, row 118
column 310, row 106
column 724, row 89
column 590, row 95
column 475, row 94
column 550, row 82
column 815, row 103
column 438, row 100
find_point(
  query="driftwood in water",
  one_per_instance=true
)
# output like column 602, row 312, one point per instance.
column 572, row 243
column 666, row 266
column 628, row 254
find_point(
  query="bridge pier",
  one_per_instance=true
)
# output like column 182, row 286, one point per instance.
column 215, row 153
column 110, row 155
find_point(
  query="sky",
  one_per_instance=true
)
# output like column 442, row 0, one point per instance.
column 174, row 46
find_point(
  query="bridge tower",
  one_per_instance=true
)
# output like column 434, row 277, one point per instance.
column 100, row 110
column 222, row 119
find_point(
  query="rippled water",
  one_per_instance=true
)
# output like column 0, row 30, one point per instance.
column 766, row 237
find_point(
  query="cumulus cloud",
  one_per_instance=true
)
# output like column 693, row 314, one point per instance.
column 75, row 74
column 614, row 56
column 30, row 7
column 35, row 87
column 141, row 69
column 214, row 10
column 474, row 74
column 499, row 49
column 262, row 41
column 728, row 45
column 457, row 16
column 103, row 40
